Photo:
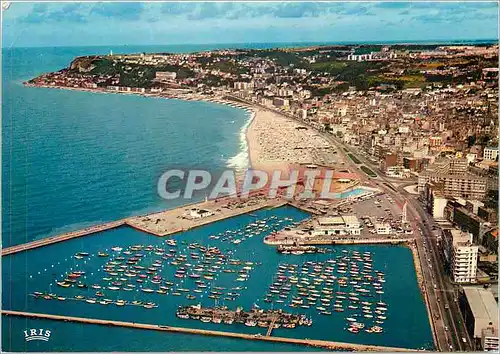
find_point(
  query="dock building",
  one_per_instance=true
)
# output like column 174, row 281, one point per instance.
column 480, row 311
column 337, row 225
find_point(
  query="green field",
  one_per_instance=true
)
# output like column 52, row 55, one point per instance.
column 368, row 171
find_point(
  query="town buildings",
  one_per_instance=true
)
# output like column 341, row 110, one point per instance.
column 451, row 177
column 490, row 153
column 337, row 225
column 480, row 312
column 461, row 255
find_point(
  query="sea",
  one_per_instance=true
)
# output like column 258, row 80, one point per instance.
column 71, row 159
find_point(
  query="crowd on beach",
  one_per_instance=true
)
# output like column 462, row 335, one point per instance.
column 274, row 139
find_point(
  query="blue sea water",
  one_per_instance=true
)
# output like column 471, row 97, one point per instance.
column 71, row 159
column 76, row 158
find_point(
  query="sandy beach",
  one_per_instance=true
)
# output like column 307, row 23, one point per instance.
column 275, row 141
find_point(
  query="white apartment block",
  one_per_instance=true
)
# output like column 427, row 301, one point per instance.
column 461, row 255
column 490, row 153
column 383, row 229
column 241, row 85
column 489, row 339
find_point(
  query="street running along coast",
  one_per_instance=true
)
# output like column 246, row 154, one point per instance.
column 273, row 141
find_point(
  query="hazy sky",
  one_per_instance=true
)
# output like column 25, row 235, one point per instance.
column 66, row 24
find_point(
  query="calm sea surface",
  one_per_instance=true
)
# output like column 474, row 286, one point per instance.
column 72, row 159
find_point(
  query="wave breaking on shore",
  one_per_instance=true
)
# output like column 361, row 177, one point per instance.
column 241, row 161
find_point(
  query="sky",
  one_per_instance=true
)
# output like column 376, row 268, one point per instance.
column 31, row 24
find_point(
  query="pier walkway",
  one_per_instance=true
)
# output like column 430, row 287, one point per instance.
column 308, row 342
column 271, row 326
column 63, row 237
column 164, row 223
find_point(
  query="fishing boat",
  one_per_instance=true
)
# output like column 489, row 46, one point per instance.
column 251, row 323
column 117, row 249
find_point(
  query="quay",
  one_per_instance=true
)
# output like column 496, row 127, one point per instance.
column 184, row 218
column 329, row 241
column 359, row 241
column 252, row 318
column 307, row 342
column 62, row 237
column 271, row 327
column 164, row 223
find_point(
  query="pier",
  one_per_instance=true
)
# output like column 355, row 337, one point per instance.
column 164, row 223
column 63, row 237
column 173, row 221
column 271, row 326
column 358, row 241
column 307, row 342
column 297, row 242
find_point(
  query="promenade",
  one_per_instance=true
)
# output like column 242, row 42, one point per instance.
column 329, row 345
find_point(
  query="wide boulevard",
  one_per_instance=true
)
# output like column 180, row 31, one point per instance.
column 441, row 294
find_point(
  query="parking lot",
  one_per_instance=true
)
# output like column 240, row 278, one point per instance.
column 378, row 210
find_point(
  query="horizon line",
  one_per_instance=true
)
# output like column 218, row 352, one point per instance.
column 298, row 43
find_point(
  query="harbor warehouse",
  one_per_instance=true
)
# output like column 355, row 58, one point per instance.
column 480, row 312
column 337, row 225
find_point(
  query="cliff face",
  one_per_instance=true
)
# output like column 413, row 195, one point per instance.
column 83, row 64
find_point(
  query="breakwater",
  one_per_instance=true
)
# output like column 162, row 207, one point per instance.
column 307, row 342
column 173, row 223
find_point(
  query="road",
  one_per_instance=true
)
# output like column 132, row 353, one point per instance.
column 444, row 312
column 439, row 291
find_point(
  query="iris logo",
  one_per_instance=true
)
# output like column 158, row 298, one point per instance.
column 36, row 334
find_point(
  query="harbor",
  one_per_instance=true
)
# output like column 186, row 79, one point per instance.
column 125, row 274
column 163, row 223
